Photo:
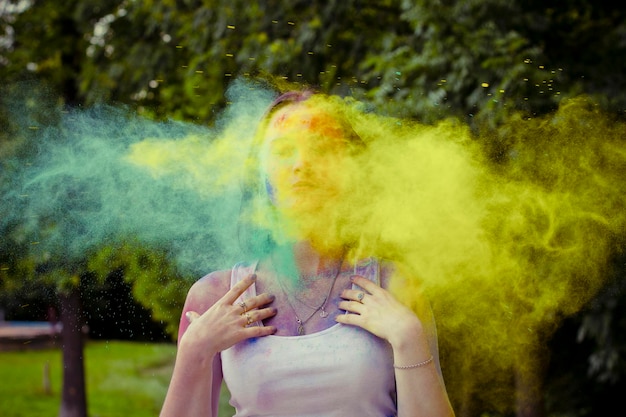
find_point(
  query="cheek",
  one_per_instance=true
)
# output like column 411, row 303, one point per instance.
column 329, row 167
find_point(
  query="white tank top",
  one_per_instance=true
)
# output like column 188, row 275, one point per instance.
column 342, row 371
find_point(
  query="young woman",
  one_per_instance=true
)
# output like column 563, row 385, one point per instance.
column 306, row 330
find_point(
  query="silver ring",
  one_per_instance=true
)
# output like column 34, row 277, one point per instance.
column 359, row 297
column 243, row 306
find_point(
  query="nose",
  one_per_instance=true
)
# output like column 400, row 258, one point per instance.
column 301, row 161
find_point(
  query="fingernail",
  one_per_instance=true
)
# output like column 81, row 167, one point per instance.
column 353, row 277
column 188, row 315
column 253, row 277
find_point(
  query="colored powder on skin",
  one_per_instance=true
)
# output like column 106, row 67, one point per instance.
column 300, row 117
column 503, row 250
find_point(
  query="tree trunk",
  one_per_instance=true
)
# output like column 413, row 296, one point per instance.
column 529, row 386
column 73, row 398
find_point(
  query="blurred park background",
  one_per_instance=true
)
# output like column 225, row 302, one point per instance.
column 481, row 62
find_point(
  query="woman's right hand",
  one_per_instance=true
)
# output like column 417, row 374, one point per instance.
column 226, row 323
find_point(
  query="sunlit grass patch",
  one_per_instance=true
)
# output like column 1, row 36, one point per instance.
column 123, row 378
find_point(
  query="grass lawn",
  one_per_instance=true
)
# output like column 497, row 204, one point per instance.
column 123, row 379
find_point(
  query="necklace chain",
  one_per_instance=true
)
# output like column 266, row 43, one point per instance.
column 301, row 301
column 323, row 313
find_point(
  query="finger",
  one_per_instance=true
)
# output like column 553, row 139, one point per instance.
column 191, row 316
column 258, row 315
column 365, row 283
column 258, row 331
column 244, row 306
column 354, row 295
column 238, row 289
column 351, row 306
column 351, row 319
column 255, row 302
column 246, row 319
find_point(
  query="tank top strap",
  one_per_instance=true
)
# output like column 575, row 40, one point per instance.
column 368, row 268
column 238, row 273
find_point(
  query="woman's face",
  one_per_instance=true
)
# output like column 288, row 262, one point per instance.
column 302, row 157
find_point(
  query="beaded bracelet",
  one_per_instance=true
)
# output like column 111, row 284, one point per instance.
column 415, row 365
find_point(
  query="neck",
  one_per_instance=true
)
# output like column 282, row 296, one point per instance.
column 307, row 262
column 313, row 234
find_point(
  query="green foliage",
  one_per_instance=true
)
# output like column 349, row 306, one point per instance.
column 155, row 282
column 472, row 59
column 602, row 326
column 47, row 38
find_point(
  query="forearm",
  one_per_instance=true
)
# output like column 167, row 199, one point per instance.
column 194, row 388
column 420, row 390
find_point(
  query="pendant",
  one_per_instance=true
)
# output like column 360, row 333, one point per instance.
column 323, row 313
column 300, row 326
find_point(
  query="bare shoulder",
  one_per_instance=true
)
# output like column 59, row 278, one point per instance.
column 207, row 290
column 393, row 273
column 402, row 281
column 203, row 294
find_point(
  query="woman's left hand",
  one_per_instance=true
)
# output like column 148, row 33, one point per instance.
column 377, row 311
column 374, row 309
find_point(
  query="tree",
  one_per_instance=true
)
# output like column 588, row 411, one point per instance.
column 60, row 209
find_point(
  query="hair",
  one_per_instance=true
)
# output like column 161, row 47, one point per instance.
column 331, row 105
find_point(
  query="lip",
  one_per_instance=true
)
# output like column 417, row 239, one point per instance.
column 301, row 185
